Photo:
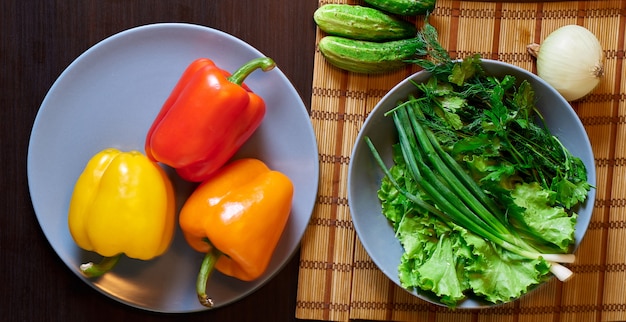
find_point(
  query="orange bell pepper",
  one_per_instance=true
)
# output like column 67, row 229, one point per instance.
column 240, row 212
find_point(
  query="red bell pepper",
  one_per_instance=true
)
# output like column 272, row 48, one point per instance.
column 208, row 116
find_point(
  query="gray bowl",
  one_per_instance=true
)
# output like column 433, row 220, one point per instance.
column 364, row 175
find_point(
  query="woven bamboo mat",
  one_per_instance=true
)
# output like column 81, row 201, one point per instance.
column 339, row 282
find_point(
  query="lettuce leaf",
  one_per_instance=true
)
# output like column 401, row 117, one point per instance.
column 551, row 222
column 440, row 273
column 499, row 275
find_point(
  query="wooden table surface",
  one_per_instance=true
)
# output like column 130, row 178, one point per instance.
column 38, row 40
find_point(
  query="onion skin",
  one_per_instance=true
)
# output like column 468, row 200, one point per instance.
column 570, row 59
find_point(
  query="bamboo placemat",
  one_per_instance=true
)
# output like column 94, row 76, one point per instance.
column 338, row 281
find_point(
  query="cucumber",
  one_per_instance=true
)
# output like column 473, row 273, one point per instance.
column 364, row 23
column 368, row 57
column 403, row 7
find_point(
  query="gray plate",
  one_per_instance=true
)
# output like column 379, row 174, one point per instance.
column 109, row 96
column 364, row 175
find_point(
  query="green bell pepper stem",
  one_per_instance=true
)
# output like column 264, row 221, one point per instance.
column 208, row 263
column 264, row 63
column 96, row 270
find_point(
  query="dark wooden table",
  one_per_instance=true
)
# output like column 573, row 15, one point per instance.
column 38, row 40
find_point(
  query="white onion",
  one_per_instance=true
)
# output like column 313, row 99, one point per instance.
column 570, row 59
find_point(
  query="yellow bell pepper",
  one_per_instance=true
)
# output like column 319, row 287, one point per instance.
column 122, row 203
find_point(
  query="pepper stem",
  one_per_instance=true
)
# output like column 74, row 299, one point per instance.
column 208, row 263
column 96, row 270
column 265, row 63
